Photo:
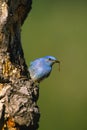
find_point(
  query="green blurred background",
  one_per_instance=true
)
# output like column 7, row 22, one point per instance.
column 59, row 28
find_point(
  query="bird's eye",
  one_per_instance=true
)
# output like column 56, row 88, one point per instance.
column 50, row 59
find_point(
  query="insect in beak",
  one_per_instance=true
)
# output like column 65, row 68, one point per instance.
column 57, row 61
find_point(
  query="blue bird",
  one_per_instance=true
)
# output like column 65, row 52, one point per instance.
column 41, row 68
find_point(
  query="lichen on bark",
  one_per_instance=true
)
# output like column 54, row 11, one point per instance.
column 18, row 93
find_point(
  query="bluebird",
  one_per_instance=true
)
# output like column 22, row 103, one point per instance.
column 41, row 68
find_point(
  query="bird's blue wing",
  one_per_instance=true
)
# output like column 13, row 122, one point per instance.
column 43, row 73
column 38, row 73
column 39, row 69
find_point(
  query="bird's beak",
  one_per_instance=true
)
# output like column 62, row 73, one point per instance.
column 57, row 61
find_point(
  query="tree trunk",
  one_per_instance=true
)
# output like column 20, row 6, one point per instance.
column 18, row 93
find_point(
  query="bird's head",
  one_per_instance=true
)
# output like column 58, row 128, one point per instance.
column 50, row 60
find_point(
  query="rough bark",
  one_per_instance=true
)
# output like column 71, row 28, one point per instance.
column 18, row 93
